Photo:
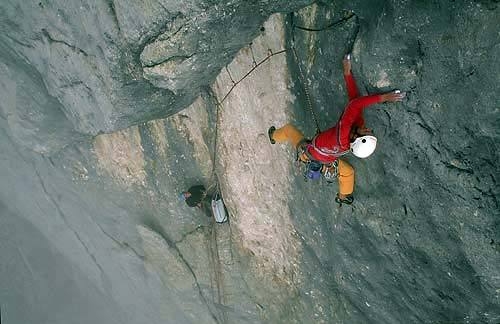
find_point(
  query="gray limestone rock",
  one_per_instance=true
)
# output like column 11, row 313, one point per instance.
column 112, row 64
column 91, row 228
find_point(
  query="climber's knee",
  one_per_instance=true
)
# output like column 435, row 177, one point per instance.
column 288, row 133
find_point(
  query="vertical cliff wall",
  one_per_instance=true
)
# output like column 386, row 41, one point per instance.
column 90, row 225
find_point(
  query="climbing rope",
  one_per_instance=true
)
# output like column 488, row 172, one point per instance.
column 214, row 176
column 214, row 249
column 348, row 16
column 218, row 105
column 303, row 78
column 306, row 90
column 216, row 281
column 255, row 65
column 301, row 72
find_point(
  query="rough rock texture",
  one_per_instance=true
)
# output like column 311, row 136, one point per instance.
column 95, row 67
column 90, row 226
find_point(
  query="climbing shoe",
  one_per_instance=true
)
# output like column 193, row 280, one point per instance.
column 270, row 133
column 347, row 200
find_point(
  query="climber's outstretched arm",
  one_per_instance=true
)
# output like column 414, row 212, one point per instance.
column 353, row 111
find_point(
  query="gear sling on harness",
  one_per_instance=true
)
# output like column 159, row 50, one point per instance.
column 315, row 169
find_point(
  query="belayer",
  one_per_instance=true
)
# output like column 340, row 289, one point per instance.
column 209, row 201
column 196, row 196
column 323, row 153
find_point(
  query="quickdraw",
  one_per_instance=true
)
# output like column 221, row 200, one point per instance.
column 330, row 173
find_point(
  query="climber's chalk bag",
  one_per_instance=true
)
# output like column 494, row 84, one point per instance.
column 313, row 170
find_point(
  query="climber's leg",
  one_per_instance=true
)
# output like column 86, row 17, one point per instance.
column 346, row 179
column 287, row 133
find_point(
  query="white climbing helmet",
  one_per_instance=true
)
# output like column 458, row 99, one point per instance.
column 364, row 146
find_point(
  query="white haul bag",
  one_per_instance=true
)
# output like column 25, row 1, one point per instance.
column 218, row 209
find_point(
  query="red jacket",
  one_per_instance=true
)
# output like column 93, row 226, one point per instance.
column 328, row 145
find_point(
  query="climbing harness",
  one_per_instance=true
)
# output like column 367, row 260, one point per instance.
column 328, row 153
column 313, row 169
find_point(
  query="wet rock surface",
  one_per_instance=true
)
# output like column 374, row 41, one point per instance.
column 91, row 228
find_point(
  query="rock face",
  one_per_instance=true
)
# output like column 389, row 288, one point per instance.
column 99, row 67
column 90, row 226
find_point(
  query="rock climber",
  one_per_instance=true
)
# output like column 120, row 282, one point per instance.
column 196, row 196
column 349, row 135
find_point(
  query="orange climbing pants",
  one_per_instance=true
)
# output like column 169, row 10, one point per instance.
column 288, row 133
column 292, row 135
column 346, row 178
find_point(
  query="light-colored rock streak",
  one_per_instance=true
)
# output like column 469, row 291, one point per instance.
column 121, row 155
column 255, row 177
column 192, row 123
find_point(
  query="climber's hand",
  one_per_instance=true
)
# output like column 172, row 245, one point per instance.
column 346, row 63
column 394, row 96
